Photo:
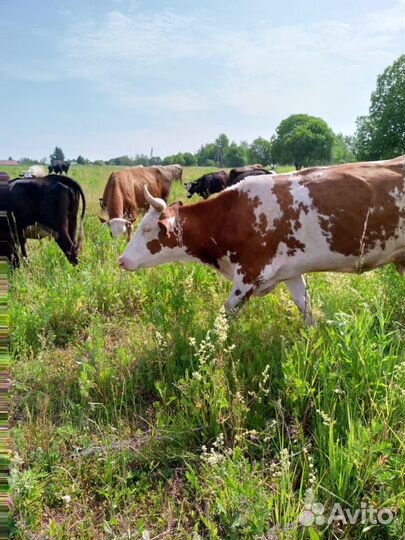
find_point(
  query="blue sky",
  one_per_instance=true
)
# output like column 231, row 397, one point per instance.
column 104, row 78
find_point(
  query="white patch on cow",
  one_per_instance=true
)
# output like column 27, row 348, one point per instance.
column 259, row 189
column 118, row 226
column 138, row 254
column 228, row 268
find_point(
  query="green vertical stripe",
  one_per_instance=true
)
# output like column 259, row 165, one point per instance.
column 4, row 403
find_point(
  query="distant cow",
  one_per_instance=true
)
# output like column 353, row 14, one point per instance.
column 208, row 184
column 58, row 166
column 177, row 171
column 50, row 205
column 124, row 197
column 272, row 229
column 35, row 171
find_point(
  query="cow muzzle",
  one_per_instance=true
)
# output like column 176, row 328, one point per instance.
column 125, row 264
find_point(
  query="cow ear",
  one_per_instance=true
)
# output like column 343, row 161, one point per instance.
column 103, row 220
column 164, row 226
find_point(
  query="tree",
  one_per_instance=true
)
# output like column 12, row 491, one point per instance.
column 343, row 149
column 303, row 140
column 206, row 154
column 189, row 159
column 235, row 156
column 381, row 134
column 80, row 160
column 260, row 151
column 57, row 154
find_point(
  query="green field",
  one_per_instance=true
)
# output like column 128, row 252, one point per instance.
column 138, row 411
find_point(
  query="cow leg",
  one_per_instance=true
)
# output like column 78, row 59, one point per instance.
column 298, row 290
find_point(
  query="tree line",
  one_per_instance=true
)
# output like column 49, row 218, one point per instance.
column 301, row 139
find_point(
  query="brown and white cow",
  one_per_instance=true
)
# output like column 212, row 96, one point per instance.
column 272, row 229
column 124, row 197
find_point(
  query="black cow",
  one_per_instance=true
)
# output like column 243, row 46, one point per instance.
column 58, row 166
column 245, row 174
column 234, row 173
column 49, row 204
column 208, row 184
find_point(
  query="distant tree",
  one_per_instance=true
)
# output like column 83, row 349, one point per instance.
column 141, row 159
column 179, row 159
column 260, row 151
column 189, row 159
column 303, row 140
column 155, row 161
column 342, row 149
column 121, row 161
column 57, row 154
column 98, row 162
column 381, row 134
column 27, row 161
column 168, row 160
column 80, row 160
column 205, row 156
column 235, row 156
column 10, row 158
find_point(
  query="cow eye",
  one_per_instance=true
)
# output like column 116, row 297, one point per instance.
column 146, row 229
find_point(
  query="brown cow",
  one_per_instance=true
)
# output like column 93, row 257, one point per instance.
column 272, row 229
column 124, row 197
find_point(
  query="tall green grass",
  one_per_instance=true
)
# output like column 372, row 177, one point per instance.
column 140, row 411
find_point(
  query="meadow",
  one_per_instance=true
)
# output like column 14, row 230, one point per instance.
column 140, row 411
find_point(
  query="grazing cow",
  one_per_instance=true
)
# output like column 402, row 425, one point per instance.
column 35, row 171
column 208, row 184
column 177, row 171
column 49, row 204
column 124, row 195
column 58, row 166
column 272, row 229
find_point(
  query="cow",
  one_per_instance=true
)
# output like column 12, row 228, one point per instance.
column 233, row 173
column 272, row 229
column 59, row 166
column 208, row 184
column 247, row 174
column 124, row 197
column 177, row 171
column 48, row 205
column 35, row 171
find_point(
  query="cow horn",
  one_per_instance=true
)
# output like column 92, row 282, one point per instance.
column 157, row 204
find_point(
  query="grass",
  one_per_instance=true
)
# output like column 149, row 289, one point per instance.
column 140, row 412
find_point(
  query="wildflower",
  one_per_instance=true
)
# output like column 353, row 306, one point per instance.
column 326, row 419
column 66, row 499
column 221, row 326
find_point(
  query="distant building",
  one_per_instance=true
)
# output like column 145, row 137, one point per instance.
column 4, row 162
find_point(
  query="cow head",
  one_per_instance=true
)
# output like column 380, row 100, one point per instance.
column 194, row 187
column 118, row 226
column 155, row 239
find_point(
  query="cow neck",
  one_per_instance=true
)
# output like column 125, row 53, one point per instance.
column 200, row 228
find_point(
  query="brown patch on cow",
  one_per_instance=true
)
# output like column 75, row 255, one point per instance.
column 154, row 246
column 357, row 214
column 227, row 225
